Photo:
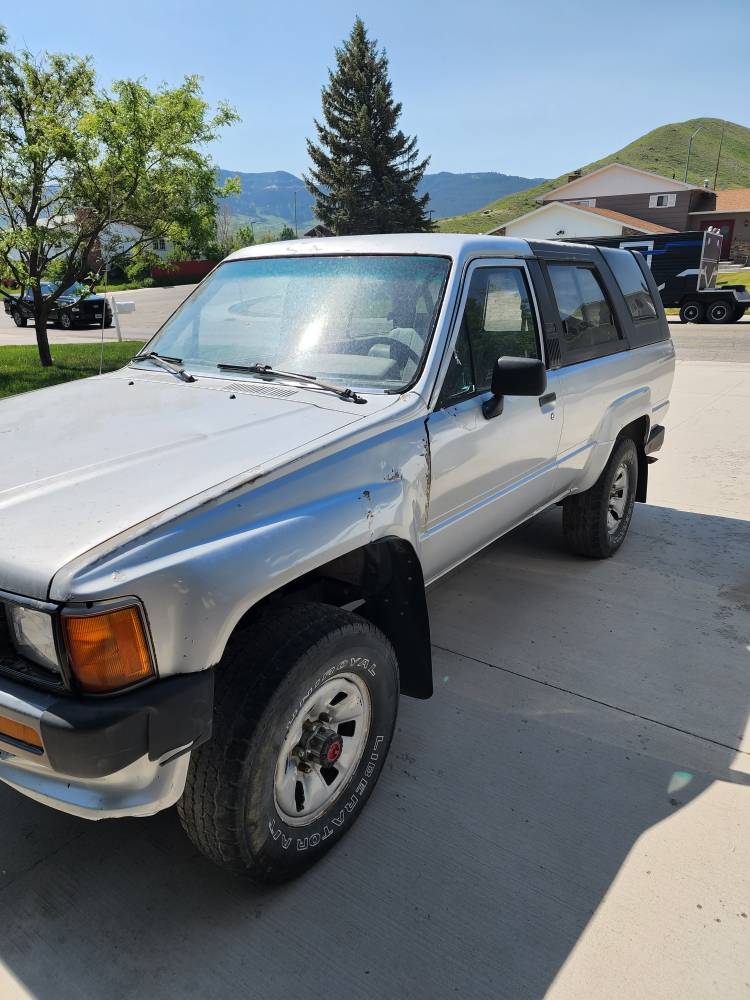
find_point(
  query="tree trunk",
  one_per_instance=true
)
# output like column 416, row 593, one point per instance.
column 42, row 340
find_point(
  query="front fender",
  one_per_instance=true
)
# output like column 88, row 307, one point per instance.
column 198, row 574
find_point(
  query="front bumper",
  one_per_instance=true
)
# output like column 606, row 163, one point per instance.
column 125, row 755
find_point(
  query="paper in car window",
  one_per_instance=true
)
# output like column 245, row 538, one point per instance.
column 503, row 307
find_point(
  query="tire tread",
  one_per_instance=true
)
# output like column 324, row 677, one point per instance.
column 584, row 514
column 207, row 809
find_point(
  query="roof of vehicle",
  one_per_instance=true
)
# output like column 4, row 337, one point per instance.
column 441, row 244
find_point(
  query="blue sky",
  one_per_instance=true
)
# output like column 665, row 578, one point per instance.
column 523, row 87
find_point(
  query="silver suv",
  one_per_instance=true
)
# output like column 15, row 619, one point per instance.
column 213, row 562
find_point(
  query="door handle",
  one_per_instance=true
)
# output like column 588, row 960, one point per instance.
column 550, row 397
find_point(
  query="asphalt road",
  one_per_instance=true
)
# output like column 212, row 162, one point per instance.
column 568, row 816
column 152, row 307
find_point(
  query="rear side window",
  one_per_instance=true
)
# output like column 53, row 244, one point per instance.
column 632, row 283
column 588, row 326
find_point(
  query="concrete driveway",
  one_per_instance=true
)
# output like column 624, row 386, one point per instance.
column 568, row 816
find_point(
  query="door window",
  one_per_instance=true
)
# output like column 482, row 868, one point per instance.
column 498, row 321
column 588, row 326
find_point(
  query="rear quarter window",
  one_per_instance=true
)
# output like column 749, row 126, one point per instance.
column 649, row 323
column 632, row 282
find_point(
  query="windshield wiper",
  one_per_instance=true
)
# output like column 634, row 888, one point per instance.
column 261, row 369
column 168, row 364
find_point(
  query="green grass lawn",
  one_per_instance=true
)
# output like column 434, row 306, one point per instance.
column 20, row 370
column 734, row 278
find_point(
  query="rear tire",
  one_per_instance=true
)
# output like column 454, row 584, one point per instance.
column 260, row 798
column 596, row 522
column 18, row 318
column 691, row 312
column 66, row 321
column 720, row 312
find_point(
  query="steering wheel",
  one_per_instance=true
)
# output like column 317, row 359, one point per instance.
column 247, row 307
column 402, row 352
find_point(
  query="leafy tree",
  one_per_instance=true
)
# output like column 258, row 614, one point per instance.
column 244, row 236
column 365, row 171
column 287, row 233
column 87, row 173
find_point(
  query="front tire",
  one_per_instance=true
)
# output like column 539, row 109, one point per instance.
column 596, row 522
column 306, row 705
column 18, row 318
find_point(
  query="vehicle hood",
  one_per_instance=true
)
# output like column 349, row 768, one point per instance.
column 82, row 462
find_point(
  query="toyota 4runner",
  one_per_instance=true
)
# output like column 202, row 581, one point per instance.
column 213, row 562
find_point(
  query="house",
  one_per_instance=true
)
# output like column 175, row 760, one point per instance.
column 617, row 200
column 119, row 237
column 731, row 216
column 639, row 193
column 569, row 220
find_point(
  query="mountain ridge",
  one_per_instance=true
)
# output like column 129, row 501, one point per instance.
column 267, row 199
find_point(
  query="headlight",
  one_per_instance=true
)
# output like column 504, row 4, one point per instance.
column 33, row 636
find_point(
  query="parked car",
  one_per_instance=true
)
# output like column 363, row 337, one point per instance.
column 213, row 569
column 75, row 307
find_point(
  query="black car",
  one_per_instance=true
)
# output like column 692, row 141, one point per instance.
column 75, row 307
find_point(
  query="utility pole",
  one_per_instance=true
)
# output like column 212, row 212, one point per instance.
column 296, row 231
column 690, row 144
column 718, row 155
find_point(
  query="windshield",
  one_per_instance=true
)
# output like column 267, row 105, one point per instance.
column 358, row 320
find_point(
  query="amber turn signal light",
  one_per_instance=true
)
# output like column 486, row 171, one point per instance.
column 108, row 651
column 17, row 731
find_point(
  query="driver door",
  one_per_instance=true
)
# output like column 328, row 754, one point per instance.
column 487, row 475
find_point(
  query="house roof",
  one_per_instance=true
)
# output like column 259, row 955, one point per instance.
column 640, row 225
column 671, row 181
column 731, row 200
column 627, row 220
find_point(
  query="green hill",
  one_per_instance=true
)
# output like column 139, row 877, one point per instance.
column 663, row 151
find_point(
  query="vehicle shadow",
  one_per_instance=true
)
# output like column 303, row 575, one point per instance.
column 578, row 705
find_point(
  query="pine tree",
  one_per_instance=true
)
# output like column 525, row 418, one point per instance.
column 365, row 170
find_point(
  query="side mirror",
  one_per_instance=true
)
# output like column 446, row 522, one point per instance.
column 514, row 377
